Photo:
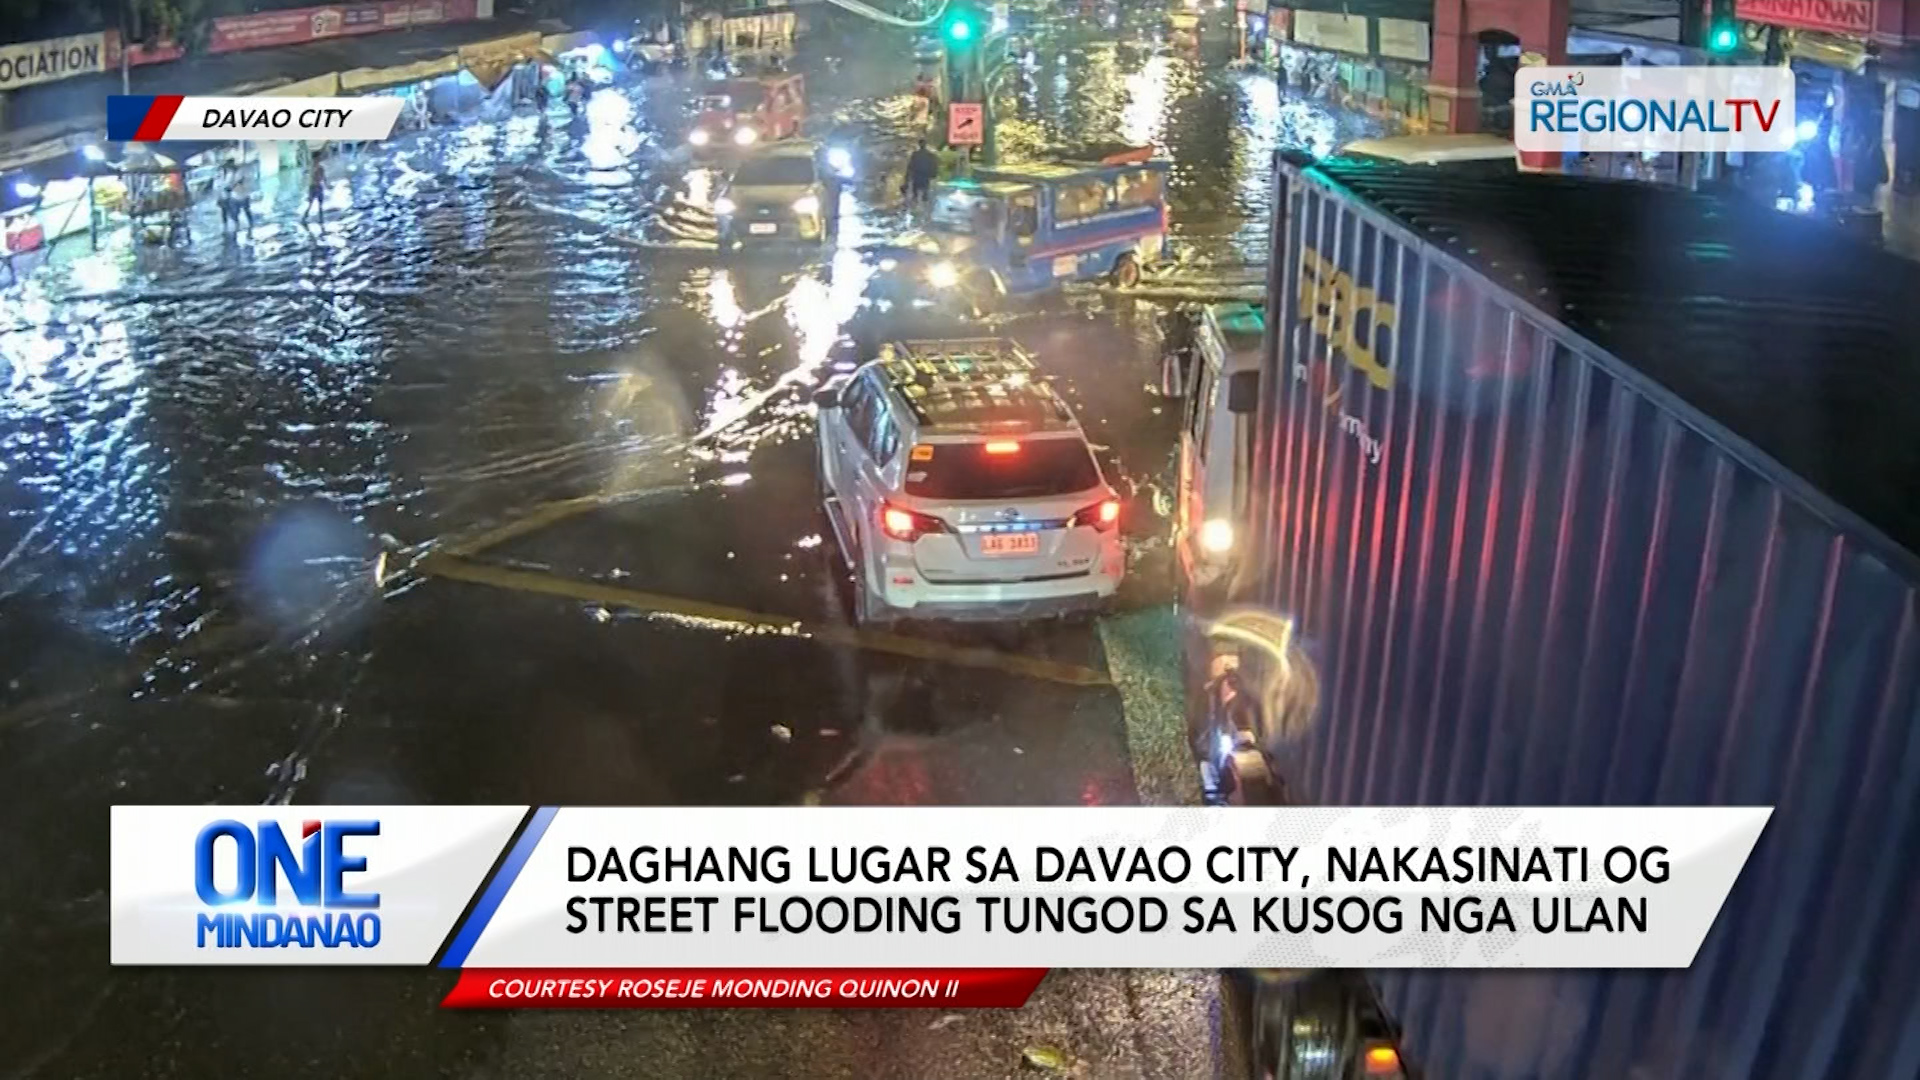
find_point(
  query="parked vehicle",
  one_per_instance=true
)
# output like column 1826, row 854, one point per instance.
column 1027, row 229
column 776, row 196
column 960, row 486
column 740, row 113
column 1574, row 492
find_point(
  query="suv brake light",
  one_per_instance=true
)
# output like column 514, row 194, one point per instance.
column 1103, row 515
column 908, row 525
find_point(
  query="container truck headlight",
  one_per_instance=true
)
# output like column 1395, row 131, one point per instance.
column 699, row 137
column 723, row 206
column 1216, row 537
column 746, row 136
column 942, row 275
column 806, row 205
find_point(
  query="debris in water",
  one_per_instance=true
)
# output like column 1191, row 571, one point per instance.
column 736, row 778
column 601, row 614
column 1045, row 1057
column 783, row 732
column 950, row 1018
column 829, row 732
column 1019, row 751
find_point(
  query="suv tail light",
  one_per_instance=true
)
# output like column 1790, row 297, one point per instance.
column 1103, row 515
column 908, row 525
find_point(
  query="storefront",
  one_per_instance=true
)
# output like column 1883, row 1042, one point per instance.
column 1378, row 65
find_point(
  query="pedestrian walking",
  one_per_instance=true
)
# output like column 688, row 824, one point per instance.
column 316, row 191
column 240, row 197
column 922, row 167
column 835, row 183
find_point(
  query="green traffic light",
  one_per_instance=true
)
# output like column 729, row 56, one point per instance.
column 960, row 30
column 1723, row 39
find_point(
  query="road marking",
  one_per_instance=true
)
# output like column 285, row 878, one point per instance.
column 456, row 568
column 538, row 518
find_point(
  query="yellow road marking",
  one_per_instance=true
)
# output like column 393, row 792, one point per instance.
column 539, row 518
column 456, row 568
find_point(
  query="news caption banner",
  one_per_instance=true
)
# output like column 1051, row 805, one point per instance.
column 177, row 118
column 1688, row 110
column 934, row 907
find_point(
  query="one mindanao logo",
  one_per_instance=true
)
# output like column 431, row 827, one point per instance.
column 266, row 892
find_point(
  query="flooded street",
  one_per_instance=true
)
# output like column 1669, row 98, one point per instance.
column 484, row 491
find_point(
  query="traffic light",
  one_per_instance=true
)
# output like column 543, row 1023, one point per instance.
column 960, row 27
column 1723, row 33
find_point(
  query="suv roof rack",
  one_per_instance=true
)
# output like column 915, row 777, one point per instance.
column 972, row 382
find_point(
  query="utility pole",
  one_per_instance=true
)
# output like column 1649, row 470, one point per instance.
column 129, row 29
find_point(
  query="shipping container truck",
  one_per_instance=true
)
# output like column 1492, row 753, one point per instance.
column 1570, row 492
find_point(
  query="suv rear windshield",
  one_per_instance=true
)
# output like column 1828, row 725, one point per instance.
column 1041, row 468
column 775, row 172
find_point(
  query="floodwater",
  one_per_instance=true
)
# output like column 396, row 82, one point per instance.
column 484, row 490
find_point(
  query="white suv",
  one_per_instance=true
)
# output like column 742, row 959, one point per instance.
column 960, row 486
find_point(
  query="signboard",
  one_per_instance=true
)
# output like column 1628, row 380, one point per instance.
column 1405, row 39
column 32, row 62
column 1834, row 16
column 966, row 124
column 164, row 50
column 301, row 25
column 1331, row 30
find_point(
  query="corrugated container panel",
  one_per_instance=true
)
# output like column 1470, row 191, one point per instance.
column 1529, row 575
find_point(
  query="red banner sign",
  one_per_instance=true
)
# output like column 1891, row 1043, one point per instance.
column 301, row 25
column 743, row 988
column 156, row 52
column 1836, row 16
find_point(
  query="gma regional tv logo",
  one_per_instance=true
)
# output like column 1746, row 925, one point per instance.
column 1686, row 110
column 264, row 890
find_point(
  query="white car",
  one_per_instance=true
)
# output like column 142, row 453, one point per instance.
column 960, row 486
column 777, row 195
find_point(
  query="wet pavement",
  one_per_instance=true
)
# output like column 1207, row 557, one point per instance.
column 479, row 493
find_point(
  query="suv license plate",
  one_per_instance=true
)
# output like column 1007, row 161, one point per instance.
column 1010, row 544
column 758, row 229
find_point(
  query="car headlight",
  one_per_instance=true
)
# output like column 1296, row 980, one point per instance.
column 806, row 205
column 840, row 161
column 1216, row 536
column 888, row 264
column 699, row 137
column 723, row 205
column 942, row 275
column 746, row 136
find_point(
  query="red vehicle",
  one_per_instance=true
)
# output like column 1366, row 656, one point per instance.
column 746, row 112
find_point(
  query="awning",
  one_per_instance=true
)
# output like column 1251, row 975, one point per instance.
column 559, row 43
column 377, row 78
column 327, row 85
column 491, row 61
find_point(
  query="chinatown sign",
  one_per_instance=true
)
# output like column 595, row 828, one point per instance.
column 1833, row 16
column 33, row 62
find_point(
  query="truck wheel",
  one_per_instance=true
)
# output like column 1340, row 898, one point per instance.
column 868, row 609
column 1126, row 271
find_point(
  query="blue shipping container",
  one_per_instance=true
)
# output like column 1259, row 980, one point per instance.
column 1586, row 493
